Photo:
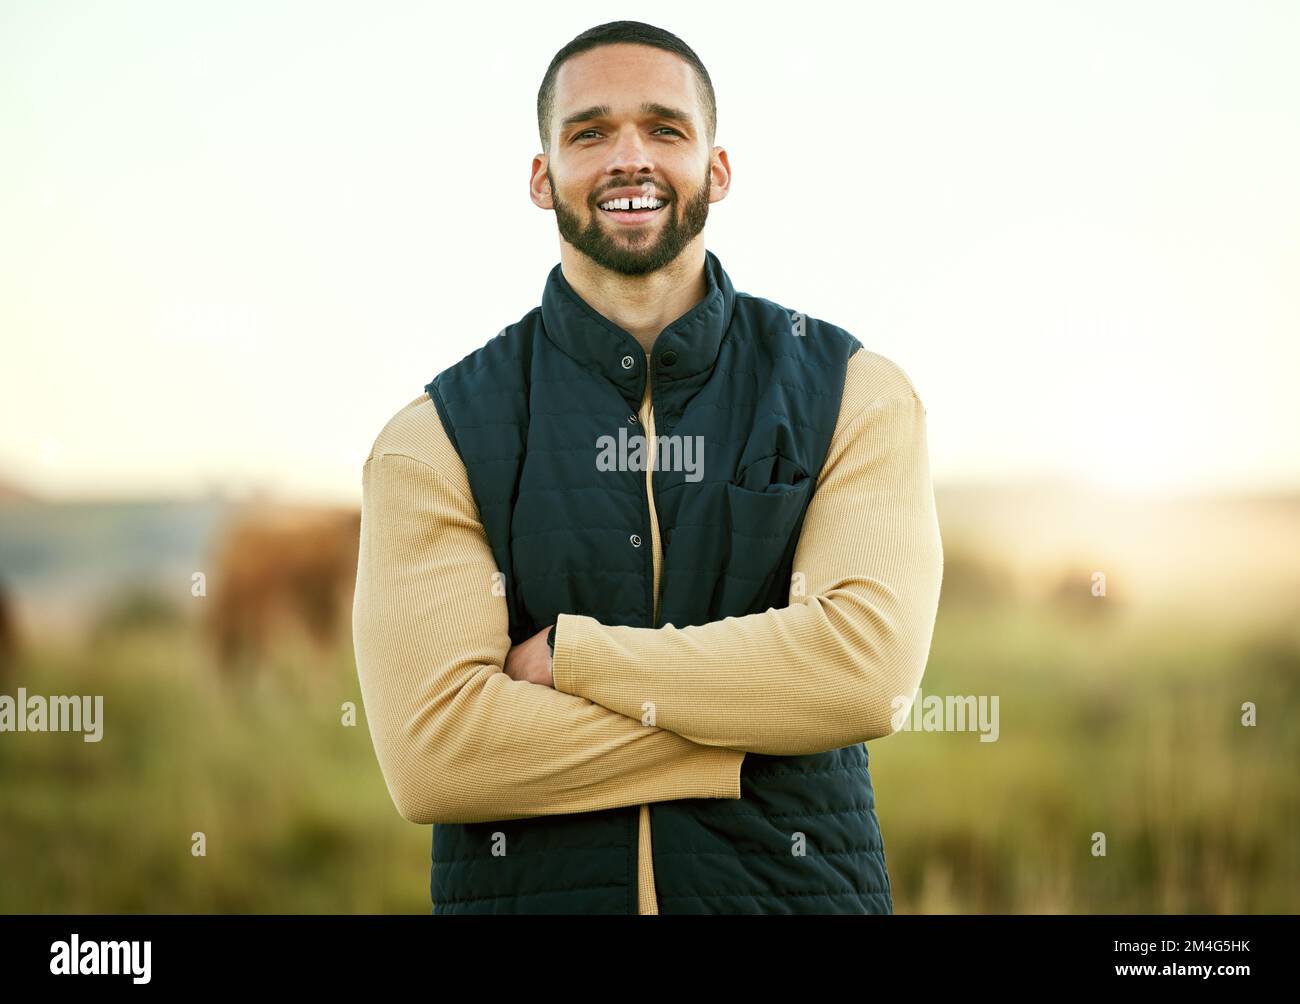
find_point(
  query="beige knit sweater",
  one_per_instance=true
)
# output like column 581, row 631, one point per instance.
column 459, row 741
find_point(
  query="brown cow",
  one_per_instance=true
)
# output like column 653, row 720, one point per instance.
column 276, row 567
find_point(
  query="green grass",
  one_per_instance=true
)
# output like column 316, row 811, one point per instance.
column 291, row 801
column 1119, row 726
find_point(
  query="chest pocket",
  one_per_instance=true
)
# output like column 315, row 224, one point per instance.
column 765, row 507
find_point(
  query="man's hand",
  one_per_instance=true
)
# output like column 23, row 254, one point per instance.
column 530, row 661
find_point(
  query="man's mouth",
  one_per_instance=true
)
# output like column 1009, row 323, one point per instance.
column 634, row 210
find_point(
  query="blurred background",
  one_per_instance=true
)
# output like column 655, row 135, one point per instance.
column 234, row 241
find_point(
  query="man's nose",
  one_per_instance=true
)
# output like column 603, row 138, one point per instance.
column 630, row 154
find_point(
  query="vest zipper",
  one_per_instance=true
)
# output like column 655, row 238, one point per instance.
column 648, row 431
column 647, row 403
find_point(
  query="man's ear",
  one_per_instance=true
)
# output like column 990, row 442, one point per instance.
column 539, row 186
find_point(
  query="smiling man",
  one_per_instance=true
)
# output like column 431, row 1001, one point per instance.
column 646, row 687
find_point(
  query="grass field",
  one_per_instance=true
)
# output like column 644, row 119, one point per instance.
column 1124, row 725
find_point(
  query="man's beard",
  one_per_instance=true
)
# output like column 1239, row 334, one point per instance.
column 633, row 254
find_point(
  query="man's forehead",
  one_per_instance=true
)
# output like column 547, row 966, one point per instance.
column 599, row 75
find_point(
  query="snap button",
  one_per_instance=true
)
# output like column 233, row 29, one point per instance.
column 636, row 540
column 628, row 362
column 668, row 358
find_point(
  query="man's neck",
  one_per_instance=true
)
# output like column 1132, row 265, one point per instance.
column 642, row 305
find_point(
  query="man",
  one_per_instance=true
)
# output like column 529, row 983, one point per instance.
column 721, row 507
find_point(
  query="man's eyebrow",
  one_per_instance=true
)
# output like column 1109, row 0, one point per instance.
column 647, row 108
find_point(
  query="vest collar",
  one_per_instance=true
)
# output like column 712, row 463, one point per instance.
column 685, row 348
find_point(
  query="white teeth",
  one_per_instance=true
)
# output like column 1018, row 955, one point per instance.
column 648, row 202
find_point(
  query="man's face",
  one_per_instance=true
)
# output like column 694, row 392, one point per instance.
column 629, row 150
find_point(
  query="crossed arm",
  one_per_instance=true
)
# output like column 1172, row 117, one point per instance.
column 825, row 671
column 459, row 740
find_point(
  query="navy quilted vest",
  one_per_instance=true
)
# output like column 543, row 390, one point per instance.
column 762, row 387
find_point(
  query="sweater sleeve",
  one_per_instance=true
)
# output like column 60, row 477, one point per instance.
column 458, row 740
column 825, row 671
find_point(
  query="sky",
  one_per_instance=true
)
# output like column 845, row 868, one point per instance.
column 236, row 238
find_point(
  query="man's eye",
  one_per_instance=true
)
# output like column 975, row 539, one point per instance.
column 585, row 131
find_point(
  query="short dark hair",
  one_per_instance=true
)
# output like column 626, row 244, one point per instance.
column 637, row 33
